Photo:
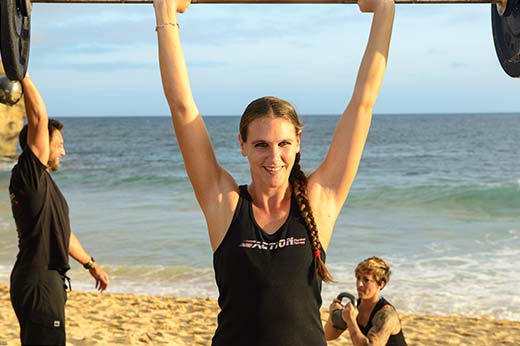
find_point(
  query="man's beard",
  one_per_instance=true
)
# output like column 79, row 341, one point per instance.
column 54, row 165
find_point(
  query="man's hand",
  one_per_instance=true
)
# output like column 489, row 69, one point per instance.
column 101, row 277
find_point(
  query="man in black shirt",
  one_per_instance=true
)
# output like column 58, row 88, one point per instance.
column 45, row 239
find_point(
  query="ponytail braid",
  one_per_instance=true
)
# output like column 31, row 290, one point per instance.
column 298, row 181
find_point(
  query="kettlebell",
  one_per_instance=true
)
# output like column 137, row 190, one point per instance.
column 337, row 320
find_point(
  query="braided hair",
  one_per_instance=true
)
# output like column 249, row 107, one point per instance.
column 274, row 107
column 298, row 181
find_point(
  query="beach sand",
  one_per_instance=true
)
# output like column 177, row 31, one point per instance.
column 95, row 319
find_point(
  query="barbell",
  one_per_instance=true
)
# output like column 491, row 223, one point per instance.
column 15, row 26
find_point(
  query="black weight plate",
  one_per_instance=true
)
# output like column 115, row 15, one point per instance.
column 10, row 92
column 15, row 32
column 506, row 35
column 25, row 7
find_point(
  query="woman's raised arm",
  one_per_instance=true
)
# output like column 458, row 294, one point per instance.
column 215, row 189
column 330, row 183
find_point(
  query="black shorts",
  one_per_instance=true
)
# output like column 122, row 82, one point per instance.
column 38, row 299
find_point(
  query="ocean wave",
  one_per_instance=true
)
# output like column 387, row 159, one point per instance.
column 478, row 285
column 490, row 199
column 121, row 180
column 6, row 165
column 157, row 280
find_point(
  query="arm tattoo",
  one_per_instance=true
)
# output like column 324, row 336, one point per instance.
column 384, row 323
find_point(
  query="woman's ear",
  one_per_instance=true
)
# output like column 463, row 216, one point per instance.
column 298, row 140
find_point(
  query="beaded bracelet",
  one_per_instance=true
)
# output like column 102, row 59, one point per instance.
column 165, row 24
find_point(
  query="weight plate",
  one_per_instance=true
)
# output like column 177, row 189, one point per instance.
column 15, row 32
column 25, row 7
column 506, row 35
column 10, row 92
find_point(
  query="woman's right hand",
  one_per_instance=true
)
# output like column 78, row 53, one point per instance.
column 374, row 5
column 349, row 313
column 335, row 305
column 166, row 10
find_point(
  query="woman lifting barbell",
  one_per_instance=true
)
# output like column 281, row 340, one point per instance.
column 269, row 237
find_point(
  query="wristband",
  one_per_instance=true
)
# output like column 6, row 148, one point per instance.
column 90, row 263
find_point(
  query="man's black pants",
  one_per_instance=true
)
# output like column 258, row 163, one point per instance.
column 38, row 298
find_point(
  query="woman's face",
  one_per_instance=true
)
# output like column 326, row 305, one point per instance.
column 271, row 148
column 367, row 286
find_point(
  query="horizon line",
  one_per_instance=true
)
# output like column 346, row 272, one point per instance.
column 302, row 115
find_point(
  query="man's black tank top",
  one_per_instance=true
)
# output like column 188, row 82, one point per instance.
column 394, row 340
column 269, row 292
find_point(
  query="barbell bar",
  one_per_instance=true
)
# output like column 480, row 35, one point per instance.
column 15, row 25
column 238, row 2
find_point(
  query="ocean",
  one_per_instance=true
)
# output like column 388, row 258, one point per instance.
column 437, row 196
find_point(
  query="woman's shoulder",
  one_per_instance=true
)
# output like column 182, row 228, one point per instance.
column 387, row 317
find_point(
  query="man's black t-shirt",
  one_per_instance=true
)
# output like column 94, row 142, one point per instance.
column 41, row 214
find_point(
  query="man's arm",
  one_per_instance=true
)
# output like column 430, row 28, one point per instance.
column 77, row 251
column 37, row 121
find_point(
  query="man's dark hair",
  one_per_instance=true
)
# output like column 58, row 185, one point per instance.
column 52, row 126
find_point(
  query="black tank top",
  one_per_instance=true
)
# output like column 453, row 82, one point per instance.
column 394, row 340
column 269, row 293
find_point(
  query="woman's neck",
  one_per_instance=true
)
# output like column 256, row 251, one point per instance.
column 269, row 198
column 370, row 302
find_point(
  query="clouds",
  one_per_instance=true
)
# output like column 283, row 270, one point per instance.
column 442, row 58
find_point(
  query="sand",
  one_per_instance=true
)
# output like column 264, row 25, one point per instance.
column 95, row 319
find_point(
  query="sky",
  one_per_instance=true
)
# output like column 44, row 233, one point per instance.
column 101, row 60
